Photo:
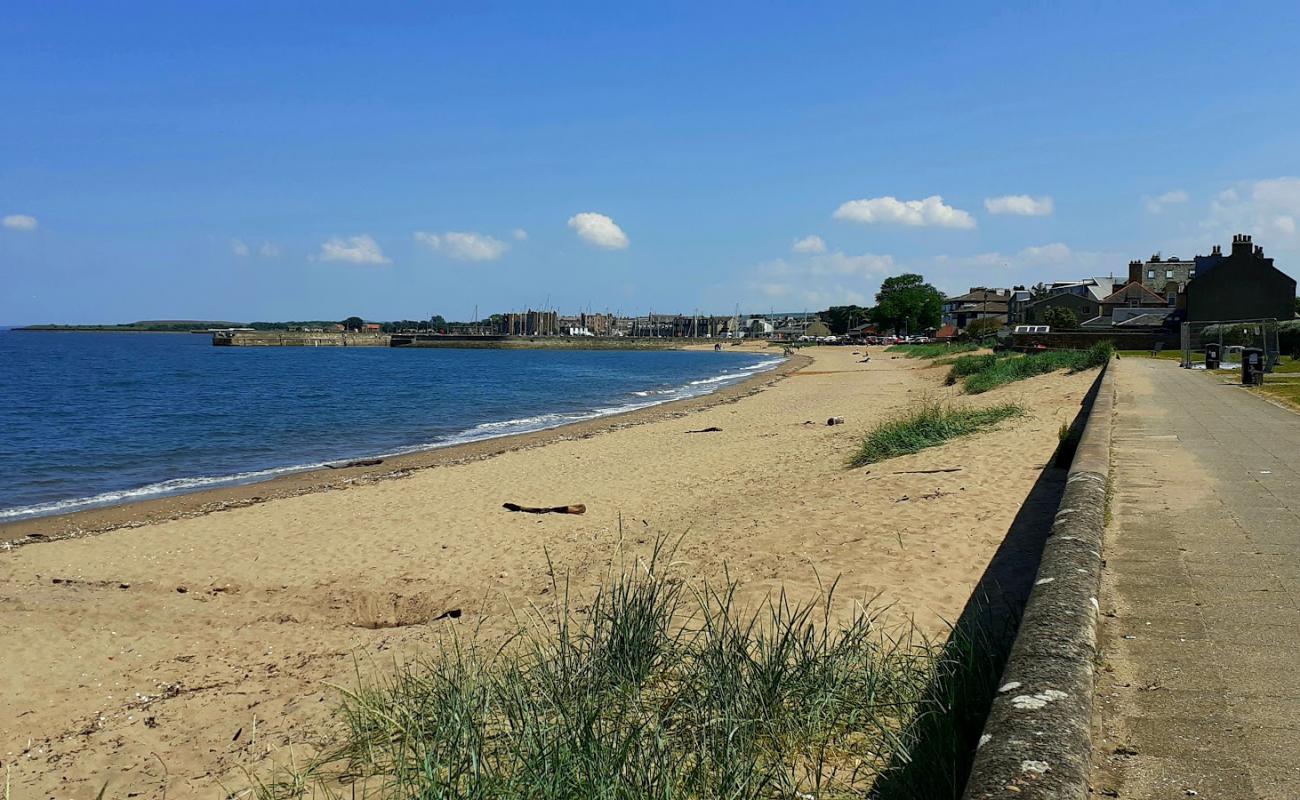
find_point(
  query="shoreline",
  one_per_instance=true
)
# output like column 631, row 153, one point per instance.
column 165, row 640
column 201, row 502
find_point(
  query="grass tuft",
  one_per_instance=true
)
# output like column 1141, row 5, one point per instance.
column 927, row 425
column 932, row 350
column 650, row 689
column 1009, row 370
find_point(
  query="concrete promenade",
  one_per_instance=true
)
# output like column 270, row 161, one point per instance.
column 1198, row 688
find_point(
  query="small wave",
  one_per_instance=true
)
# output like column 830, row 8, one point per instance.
column 162, row 488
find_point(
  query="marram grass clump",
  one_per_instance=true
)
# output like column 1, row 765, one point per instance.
column 647, row 689
column 1009, row 370
column 932, row 350
column 930, row 424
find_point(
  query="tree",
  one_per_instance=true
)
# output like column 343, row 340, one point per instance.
column 840, row 318
column 907, row 303
column 1038, row 291
column 353, row 323
column 1060, row 318
column 980, row 328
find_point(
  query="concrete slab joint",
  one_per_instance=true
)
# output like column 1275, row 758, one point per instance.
column 1036, row 741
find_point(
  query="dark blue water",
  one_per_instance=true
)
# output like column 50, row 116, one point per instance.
column 98, row 418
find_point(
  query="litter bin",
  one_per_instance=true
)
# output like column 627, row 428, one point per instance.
column 1212, row 356
column 1252, row 366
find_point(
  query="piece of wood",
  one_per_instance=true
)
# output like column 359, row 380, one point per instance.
column 713, row 429
column 365, row 462
column 927, row 471
column 576, row 508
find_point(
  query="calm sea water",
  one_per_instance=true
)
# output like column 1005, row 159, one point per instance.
column 92, row 419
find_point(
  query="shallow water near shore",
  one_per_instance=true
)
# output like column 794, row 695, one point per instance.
column 94, row 419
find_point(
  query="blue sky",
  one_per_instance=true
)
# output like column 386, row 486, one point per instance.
column 315, row 160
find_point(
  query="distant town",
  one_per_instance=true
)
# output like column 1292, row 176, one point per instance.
column 1144, row 304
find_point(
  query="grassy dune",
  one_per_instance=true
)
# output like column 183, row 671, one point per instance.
column 650, row 689
column 982, row 374
column 927, row 425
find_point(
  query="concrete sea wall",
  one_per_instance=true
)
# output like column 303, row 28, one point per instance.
column 298, row 339
column 1036, row 742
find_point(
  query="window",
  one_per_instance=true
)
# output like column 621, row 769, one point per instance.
column 1169, row 274
column 1150, row 274
column 1173, row 299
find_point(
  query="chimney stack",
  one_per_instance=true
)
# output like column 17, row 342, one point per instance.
column 1241, row 245
column 1135, row 272
column 1217, row 251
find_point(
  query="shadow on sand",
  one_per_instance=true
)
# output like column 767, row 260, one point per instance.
column 940, row 745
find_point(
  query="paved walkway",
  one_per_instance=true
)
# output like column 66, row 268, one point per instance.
column 1199, row 686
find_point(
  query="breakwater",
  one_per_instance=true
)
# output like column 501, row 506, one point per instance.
column 420, row 340
column 298, row 339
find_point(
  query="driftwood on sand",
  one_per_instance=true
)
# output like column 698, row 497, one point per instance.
column 713, row 429
column 927, row 471
column 576, row 508
column 365, row 462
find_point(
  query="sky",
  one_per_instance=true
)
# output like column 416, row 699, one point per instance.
column 272, row 161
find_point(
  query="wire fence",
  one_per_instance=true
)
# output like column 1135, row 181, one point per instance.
column 1232, row 338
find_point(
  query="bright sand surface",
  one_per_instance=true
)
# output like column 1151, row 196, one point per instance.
column 111, row 673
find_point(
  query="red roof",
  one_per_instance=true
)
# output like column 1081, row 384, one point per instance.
column 946, row 332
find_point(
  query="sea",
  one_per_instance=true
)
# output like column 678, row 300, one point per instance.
column 96, row 419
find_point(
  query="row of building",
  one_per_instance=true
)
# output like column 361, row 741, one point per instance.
column 551, row 323
column 1156, row 293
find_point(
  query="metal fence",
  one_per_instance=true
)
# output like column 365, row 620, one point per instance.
column 1231, row 336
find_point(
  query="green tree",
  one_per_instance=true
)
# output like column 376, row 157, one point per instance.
column 906, row 303
column 1060, row 318
column 353, row 323
column 980, row 328
column 840, row 318
column 1038, row 291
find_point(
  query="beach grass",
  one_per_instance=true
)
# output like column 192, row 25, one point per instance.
column 648, row 689
column 933, row 350
column 1001, row 372
column 928, row 424
column 961, row 366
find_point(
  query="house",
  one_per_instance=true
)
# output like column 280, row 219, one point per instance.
column 979, row 303
column 1241, row 285
column 1132, row 305
column 1016, row 303
column 1167, row 277
column 1084, row 306
column 1135, row 295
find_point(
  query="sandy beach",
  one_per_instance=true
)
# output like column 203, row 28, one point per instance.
column 181, row 642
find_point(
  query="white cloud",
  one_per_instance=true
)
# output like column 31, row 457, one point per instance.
column 1158, row 203
column 599, row 230
column 820, row 280
column 464, row 245
column 354, row 250
column 239, row 248
column 1020, row 205
column 269, row 250
column 1268, row 209
column 930, row 212
column 809, row 244
column 520, row 234
column 20, row 222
